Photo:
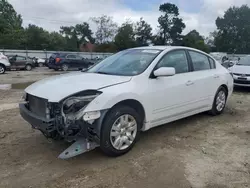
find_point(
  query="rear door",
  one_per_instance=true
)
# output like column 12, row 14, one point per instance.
column 71, row 60
column 81, row 63
column 205, row 77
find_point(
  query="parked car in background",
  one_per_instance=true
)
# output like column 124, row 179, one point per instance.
column 21, row 62
column 4, row 63
column 40, row 62
column 219, row 56
column 241, row 72
column 231, row 61
column 65, row 61
column 129, row 92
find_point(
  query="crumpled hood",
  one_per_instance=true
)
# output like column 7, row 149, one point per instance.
column 56, row 88
column 240, row 69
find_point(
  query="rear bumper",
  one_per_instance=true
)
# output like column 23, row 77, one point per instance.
column 36, row 122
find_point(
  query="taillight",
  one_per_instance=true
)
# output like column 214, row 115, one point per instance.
column 57, row 60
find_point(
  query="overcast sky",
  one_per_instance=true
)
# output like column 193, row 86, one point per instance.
column 51, row 14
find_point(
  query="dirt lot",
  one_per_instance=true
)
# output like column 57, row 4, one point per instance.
column 200, row 151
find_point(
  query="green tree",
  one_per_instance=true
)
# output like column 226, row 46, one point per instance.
column 143, row 32
column 11, row 31
column 125, row 37
column 170, row 25
column 57, row 42
column 195, row 40
column 77, row 35
column 36, row 37
column 106, row 29
column 234, row 30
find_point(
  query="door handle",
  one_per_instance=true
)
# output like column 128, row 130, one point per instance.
column 189, row 83
column 216, row 76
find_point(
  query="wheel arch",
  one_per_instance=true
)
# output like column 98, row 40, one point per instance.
column 225, row 87
column 135, row 104
column 3, row 65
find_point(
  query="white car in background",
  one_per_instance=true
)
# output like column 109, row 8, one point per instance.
column 219, row 56
column 241, row 72
column 4, row 63
column 129, row 92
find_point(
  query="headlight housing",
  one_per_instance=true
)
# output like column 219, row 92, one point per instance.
column 76, row 103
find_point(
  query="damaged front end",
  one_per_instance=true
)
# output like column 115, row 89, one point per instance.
column 66, row 120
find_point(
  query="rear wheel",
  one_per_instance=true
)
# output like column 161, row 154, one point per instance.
column 65, row 67
column 120, row 131
column 40, row 64
column 28, row 67
column 219, row 102
column 2, row 69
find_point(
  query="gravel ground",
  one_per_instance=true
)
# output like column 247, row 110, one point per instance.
column 200, row 151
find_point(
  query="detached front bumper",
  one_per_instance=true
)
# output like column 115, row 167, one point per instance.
column 37, row 122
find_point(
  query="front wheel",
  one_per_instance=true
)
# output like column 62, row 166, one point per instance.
column 2, row 69
column 120, row 131
column 219, row 102
column 28, row 67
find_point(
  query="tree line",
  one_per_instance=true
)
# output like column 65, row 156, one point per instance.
column 232, row 34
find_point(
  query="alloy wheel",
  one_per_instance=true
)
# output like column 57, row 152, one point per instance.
column 123, row 132
column 220, row 101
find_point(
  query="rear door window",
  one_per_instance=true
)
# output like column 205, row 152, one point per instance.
column 200, row 61
column 71, row 56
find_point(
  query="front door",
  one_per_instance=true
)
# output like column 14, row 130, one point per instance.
column 174, row 95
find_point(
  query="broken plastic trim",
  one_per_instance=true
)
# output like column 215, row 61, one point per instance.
column 78, row 147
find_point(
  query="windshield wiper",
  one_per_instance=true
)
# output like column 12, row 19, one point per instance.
column 100, row 72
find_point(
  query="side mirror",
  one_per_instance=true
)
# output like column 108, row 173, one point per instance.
column 164, row 71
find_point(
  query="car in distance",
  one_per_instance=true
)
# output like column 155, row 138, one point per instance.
column 4, row 63
column 21, row 62
column 241, row 72
column 129, row 92
column 64, row 61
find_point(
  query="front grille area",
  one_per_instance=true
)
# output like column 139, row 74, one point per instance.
column 242, row 81
column 238, row 74
column 37, row 105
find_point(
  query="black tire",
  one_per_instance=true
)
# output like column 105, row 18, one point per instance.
column 105, row 141
column 40, row 64
column 65, row 67
column 2, row 69
column 28, row 67
column 214, row 111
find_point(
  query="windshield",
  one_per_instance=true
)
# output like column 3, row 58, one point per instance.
column 244, row 61
column 126, row 63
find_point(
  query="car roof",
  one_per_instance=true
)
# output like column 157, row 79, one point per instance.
column 162, row 48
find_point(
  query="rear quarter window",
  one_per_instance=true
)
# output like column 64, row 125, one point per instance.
column 212, row 63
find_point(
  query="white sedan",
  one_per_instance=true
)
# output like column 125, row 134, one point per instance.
column 241, row 72
column 129, row 92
